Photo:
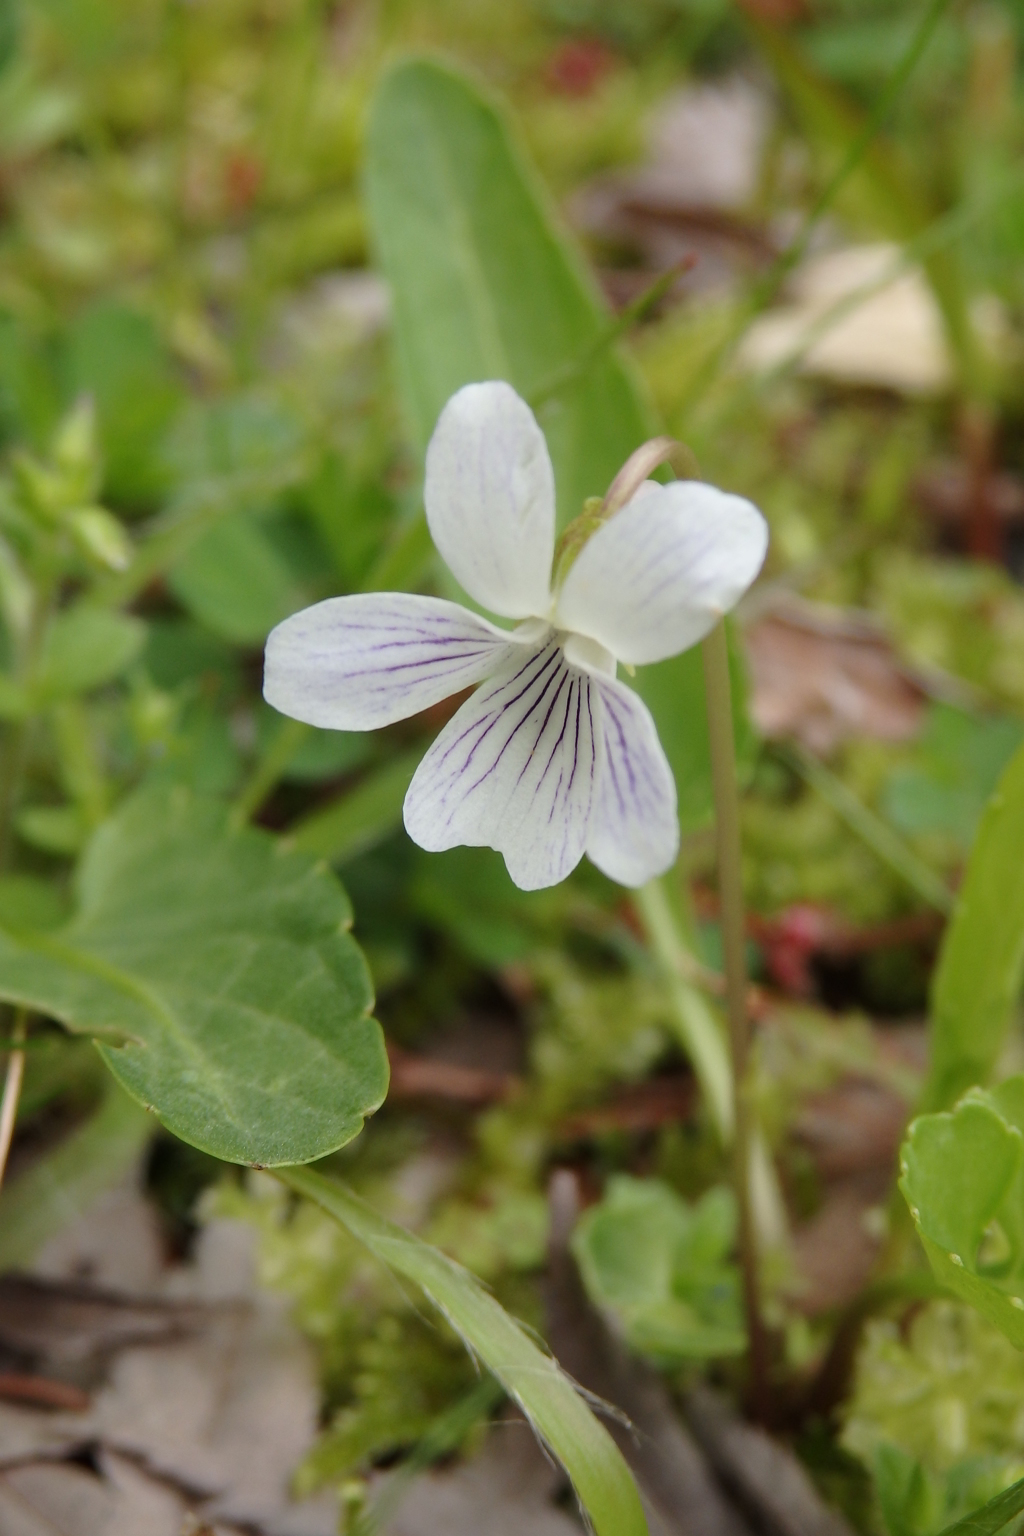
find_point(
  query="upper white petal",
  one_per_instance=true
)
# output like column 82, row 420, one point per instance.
column 490, row 499
column 658, row 575
column 514, row 770
column 634, row 829
column 356, row 663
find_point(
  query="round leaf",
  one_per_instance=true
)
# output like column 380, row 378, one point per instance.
column 215, row 969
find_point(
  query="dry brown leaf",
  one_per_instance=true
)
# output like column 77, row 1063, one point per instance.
column 823, row 675
column 66, row 1321
column 211, row 1422
column 891, row 337
column 56, row 1499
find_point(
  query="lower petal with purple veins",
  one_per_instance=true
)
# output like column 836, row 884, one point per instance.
column 515, row 770
column 634, row 830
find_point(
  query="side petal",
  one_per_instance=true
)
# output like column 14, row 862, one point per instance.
column 490, row 499
column 515, row 770
column 356, row 663
column 634, row 831
column 659, row 574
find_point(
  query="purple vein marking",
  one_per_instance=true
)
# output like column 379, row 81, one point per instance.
column 516, row 727
column 385, row 669
column 496, row 713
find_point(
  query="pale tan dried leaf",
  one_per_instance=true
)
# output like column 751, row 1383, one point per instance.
column 822, row 676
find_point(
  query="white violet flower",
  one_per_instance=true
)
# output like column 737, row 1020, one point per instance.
column 551, row 758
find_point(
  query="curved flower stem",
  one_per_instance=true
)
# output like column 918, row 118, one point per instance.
column 727, row 828
column 12, row 1089
column 640, row 465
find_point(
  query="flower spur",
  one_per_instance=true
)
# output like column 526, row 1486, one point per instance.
column 552, row 757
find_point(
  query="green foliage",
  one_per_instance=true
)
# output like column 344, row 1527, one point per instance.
column 174, row 179
column 217, row 975
column 404, row 1371
column 967, row 618
column 978, row 980
column 995, row 1515
column 702, row 27
column 661, row 1266
column 599, row 1475
column 363, row 816
column 935, row 1411
column 388, row 1370
column 115, row 355
column 84, row 648
column 963, row 1178
column 483, row 282
column 951, row 774
column 234, row 581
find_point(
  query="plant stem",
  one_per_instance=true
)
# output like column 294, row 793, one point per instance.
column 12, row 1089
column 730, row 886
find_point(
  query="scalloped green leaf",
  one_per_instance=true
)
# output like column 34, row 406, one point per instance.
column 963, row 1179
column 662, row 1267
column 215, row 970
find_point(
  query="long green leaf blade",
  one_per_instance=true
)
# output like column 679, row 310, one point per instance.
column 981, row 966
column 991, row 1517
column 589, row 1455
column 487, row 285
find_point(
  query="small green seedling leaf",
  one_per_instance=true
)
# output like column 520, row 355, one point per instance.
column 218, row 977
column 963, row 1179
column 661, row 1266
column 536, row 1382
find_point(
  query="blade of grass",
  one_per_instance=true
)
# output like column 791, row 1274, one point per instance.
column 991, row 1517
column 533, row 1379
